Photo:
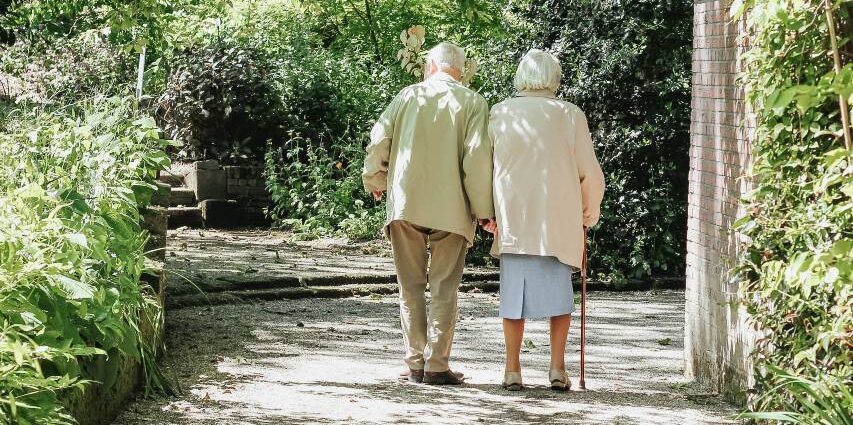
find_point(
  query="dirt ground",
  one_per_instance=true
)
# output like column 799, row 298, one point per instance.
column 327, row 361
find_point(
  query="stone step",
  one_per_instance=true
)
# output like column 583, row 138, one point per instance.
column 162, row 196
column 293, row 287
column 183, row 196
column 185, row 216
column 339, row 291
column 260, row 283
column 174, row 180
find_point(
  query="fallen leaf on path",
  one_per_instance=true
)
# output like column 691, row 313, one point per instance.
column 665, row 341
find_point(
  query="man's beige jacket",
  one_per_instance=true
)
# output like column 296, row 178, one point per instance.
column 548, row 183
column 431, row 151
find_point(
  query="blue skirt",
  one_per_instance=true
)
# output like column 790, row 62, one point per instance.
column 535, row 286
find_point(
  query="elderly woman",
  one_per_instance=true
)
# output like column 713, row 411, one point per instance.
column 548, row 187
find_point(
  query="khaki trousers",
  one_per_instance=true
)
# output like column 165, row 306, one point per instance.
column 436, row 257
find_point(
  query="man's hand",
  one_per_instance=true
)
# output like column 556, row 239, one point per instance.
column 377, row 195
column 489, row 225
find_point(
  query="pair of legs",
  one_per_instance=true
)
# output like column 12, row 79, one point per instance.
column 422, row 256
column 514, row 334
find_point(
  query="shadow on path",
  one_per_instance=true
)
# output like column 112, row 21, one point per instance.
column 323, row 361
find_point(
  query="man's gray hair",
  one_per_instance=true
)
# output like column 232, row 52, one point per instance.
column 538, row 70
column 447, row 55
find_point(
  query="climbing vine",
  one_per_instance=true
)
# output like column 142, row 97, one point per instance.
column 797, row 264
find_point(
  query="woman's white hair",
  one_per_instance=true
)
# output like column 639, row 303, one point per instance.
column 447, row 55
column 538, row 70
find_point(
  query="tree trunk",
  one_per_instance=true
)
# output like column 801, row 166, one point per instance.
column 372, row 31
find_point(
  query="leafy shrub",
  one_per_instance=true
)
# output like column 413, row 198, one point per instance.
column 219, row 101
column 335, row 67
column 133, row 23
column 629, row 70
column 72, row 181
column 79, row 67
column 316, row 191
column 797, row 263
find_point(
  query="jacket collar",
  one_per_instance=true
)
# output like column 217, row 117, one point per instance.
column 443, row 76
column 537, row 93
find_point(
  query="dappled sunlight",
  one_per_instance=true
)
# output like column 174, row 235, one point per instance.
column 337, row 361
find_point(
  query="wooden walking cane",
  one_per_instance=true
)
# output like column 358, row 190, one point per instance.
column 583, row 312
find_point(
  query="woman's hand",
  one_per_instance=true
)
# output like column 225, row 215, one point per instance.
column 489, row 225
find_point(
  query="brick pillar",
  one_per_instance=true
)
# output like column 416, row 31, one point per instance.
column 716, row 338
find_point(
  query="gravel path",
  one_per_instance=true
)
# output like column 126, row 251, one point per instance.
column 324, row 361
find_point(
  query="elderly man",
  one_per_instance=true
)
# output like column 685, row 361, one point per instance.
column 431, row 151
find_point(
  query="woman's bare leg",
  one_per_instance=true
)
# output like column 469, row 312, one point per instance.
column 559, row 334
column 513, row 334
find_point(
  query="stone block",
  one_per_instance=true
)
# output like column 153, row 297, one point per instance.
column 207, row 184
column 183, row 196
column 259, row 193
column 209, row 164
column 115, row 379
column 155, row 220
column 221, row 213
column 163, row 195
column 172, row 179
column 155, row 247
column 155, row 276
column 238, row 191
column 185, row 216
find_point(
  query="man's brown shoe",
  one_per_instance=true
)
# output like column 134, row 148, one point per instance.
column 412, row 375
column 443, row 378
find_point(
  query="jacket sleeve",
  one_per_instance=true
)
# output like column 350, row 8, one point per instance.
column 477, row 162
column 375, row 172
column 589, row 171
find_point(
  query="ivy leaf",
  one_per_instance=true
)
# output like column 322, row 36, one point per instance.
column 777, row 104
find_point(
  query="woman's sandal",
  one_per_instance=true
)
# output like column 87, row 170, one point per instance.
column 559, row 380
column 512, row 381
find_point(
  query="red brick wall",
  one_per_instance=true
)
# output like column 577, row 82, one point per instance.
column 716, row 338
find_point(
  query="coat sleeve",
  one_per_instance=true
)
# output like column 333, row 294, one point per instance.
column 375, row 172
column 477, row 162
column 589, row 171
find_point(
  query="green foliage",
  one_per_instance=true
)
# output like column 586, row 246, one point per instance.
column 332, row 88
column 83, row 66
column 822, row 402
column 72, row 181
column 628, row 69
column 797, row 264
column 233, row 76
column 220, row 103
column 134, row 23
column 315, row 190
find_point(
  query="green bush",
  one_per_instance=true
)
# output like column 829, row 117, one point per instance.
column 61, row 73
column 72, row 181
column 315, row 190
column 797, row 263
column 220, row 103
column 628, row 69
